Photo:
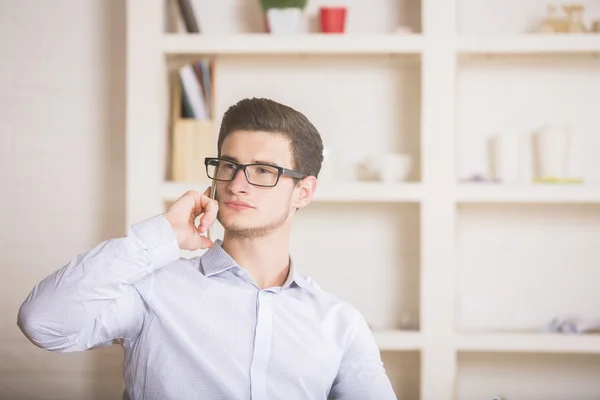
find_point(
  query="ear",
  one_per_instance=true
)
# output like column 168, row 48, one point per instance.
column 304, row 192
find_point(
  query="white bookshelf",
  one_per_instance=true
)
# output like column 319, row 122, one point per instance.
column 370, row 192
column 255, row 44
column 477, row 268
column 527, row 193
column 533, row 44
column 534, row 342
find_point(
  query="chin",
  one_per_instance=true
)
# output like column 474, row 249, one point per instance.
column 246, row 227
column 234, row 223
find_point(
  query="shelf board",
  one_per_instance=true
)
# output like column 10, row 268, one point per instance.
column 533, row 193
column 534, row 43
column 300, row 44
column 529, row 343
column 398, row 340
column 339, row 192
column 368, row 192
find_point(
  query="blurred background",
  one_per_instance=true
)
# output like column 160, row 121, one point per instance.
column 459, row 201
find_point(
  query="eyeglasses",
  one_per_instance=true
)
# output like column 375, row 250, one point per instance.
column 264, row 175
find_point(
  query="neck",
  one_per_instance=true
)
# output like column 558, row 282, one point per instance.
column 266, row 258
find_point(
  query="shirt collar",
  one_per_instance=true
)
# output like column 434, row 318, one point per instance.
column 216, row 260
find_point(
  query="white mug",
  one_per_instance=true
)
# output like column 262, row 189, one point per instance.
column 505, row 157
column 387, row 167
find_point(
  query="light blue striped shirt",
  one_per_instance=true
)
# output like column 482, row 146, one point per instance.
column 200, row 328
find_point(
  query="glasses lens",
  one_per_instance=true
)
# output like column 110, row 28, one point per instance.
column 220, row 170
column 263, row 175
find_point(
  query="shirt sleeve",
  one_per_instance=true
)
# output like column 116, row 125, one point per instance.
column 362, row 375
column 90, row 302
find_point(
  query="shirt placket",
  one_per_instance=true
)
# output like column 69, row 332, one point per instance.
column 262, row 345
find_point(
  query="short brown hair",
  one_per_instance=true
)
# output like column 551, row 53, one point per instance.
column 259, row 114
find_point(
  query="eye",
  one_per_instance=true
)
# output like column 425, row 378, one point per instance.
column 262, row 170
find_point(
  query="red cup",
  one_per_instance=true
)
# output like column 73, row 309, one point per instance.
column 333, row 19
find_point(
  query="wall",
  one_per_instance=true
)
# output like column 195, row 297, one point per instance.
column 61, row 174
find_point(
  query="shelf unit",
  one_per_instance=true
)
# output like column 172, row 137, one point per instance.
column 528, row 343
column 370, row 192
column 529, row 44
column 261, row 44
column 434, row 218
column 532, row 193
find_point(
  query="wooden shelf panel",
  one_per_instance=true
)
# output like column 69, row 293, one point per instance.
column 529, row 343
column 254, row 44
column 369, row 192
column 529, row 44
column 350, row 192
column 534, row 193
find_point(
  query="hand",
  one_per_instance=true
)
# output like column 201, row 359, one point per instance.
column 182, row 216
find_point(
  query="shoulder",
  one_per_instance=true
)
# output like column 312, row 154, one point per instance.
column 333, row 305
column 169, row 275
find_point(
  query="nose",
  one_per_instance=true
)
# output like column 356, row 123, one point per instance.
column 239, row 184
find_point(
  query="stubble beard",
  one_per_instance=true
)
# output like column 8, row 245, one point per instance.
column 252, row 232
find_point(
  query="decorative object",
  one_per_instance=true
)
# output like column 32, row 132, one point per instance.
column 333, row 19
column 570, row 22
column 283, row 17
column 575, row 17
column 595, row 26
column 388, row 167
column 505, row 157
column 572, row 324
column 552, row 148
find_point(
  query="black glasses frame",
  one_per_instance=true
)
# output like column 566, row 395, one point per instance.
column 280, row 171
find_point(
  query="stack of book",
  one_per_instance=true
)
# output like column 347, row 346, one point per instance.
column 193, row 134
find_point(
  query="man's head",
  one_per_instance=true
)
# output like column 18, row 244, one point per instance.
column 264, row 131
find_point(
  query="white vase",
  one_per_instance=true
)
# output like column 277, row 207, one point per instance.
column 505, row 157
column 284, row 21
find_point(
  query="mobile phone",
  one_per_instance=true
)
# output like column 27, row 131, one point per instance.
column 213, row 189
column 213, row 192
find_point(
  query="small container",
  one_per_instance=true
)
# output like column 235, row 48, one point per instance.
column 333, row 19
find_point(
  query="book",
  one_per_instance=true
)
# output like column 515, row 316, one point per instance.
column 187, row 13
column 192, row 93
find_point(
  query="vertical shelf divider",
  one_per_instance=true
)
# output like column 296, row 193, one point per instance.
column 144, row 127
column 438, row 270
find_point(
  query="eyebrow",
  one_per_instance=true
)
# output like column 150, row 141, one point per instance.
column 235, row 160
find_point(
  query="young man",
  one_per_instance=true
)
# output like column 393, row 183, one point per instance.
column 240, row 322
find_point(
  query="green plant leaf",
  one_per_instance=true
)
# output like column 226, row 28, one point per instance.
column 267, row 4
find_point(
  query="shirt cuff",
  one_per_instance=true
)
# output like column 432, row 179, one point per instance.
column 159, row 240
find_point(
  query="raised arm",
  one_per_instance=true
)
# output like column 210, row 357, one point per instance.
column 91, row 301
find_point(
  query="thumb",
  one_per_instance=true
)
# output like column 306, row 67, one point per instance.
column 199, row 242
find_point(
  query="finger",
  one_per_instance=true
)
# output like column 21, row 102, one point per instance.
column 206, row 206
column 201, row 202
column 209, row 217
column 202, row 242
column 208, row 191
column 205, row 242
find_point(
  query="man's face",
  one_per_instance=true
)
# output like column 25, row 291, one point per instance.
column 249, row 210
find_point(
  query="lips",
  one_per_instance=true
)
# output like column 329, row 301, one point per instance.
column 238, row 205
